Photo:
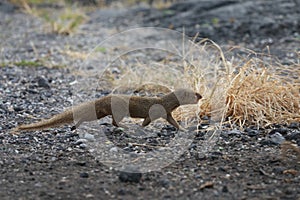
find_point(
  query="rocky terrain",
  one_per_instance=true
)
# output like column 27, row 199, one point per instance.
column 38, row 71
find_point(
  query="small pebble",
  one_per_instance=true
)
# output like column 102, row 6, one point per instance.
column 43, row 82
column 130, row 177
column 80, row 141
column 89, row 137
column 130, row 174
column 277, row 138
column 84, row 175
column 114, row 149
column 252, row 133
column 294, row 125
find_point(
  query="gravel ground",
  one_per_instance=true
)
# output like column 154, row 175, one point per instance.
column 58, row 164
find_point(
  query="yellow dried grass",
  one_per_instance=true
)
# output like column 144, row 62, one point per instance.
column 258, row 94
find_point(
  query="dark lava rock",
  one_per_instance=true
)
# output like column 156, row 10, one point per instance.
column 293, row 136
column 18, row 108
column 231, row 133
column 294, row 125
column 165, row 182
column 130, row 176
column 251, row 132
column 282, row 131
column 84, row 175
column 214, row 155
column 276, row 138
column 43, row 82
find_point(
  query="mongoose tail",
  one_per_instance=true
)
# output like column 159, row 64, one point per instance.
column 57, row 120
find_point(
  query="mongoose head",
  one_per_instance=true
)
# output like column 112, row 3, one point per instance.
column 186, row 96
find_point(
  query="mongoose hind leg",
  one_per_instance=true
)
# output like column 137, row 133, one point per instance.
column 172, row 121
column 146, row 121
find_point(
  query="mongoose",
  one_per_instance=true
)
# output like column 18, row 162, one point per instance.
column 119, row 106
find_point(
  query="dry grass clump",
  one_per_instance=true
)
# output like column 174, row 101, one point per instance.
column 260, row 96
column 251, row 91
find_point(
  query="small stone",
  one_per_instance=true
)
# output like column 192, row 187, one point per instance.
column 81, row 163
column 265, row 142
column 203, row 126
column 43, row 82
column 251, row 132
column 89, row 137
column 164, row 183
column 83, row 146
column 131, row 174
column 80, row 141
column 225, row 189
column 114, row 150
column 169, row 128
column 192, row 146
column 201, row 157
column 277, row 138
column 115, row 70
column 89, row 196
column 215, row 155
column 234, row 132
column 122, row 191
column 293, row 136
column 231, row 133
column 282, row 131
column 294, row 125
column 84, row 175
column 130, row 177
column 18, row 109
column 118, row 130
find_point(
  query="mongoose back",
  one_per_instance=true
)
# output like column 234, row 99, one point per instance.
column 120, row 106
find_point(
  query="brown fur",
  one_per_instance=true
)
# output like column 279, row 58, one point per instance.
column 119, row 106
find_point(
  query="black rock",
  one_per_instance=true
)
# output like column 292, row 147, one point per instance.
column 293, row 136
column 215, row 155
column 276, row 138
column 233, row 132
column 251, row 132
column 282, row 131
column 164, row 182
column 294, row 125
column 84, row 175
column 43, row 82
column 18, row 108
column 130, row 176
column 169, row 128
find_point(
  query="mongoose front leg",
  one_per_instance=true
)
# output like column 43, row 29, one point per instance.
column 115, row 123
column 172, row 121
column 146, row 121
